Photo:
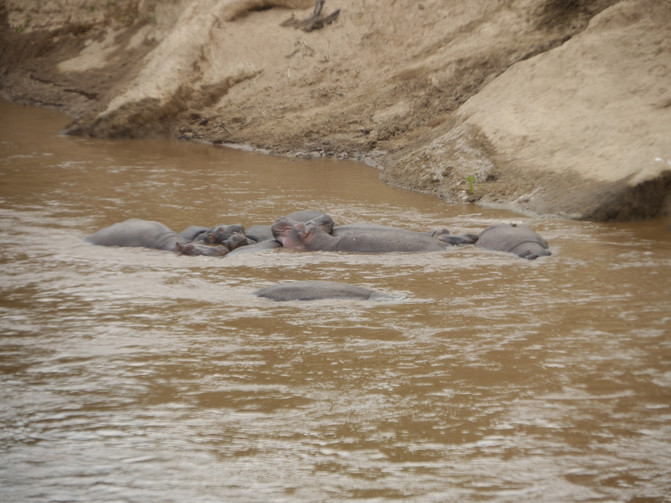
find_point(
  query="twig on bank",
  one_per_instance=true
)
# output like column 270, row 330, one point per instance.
column 315, row 22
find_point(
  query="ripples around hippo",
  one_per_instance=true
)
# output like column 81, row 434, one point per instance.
column 314, row 231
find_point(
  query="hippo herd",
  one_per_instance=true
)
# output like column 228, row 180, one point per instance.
column 315, row 231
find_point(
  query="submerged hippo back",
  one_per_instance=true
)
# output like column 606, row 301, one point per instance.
column 315, row 290
column 517, row 239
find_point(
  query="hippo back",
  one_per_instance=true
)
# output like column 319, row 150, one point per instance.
column 259, row 233
column 315, row 290
column 136, row 232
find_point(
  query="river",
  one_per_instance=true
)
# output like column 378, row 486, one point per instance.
column 133, row 375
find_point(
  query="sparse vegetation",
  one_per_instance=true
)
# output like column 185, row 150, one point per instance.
column 25, row 24
column 471, row 184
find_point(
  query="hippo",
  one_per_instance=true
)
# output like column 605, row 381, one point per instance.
column 513, row 238
column 282, row 229
column 233, row 242
column 312, row 236
column 260, row 233
column 136, row 232
column 316, row 290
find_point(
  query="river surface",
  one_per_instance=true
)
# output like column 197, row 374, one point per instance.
column 135, row 375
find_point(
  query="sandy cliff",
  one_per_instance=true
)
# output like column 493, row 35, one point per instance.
column 547, row 106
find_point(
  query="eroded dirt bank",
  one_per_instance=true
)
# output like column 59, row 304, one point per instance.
column 548, row 106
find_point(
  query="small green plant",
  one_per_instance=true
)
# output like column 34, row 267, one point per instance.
column 471, row 184
column 25, row 24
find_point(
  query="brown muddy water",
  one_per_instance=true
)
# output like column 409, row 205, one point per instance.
column 132, row 375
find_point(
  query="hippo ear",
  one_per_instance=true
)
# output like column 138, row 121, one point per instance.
column 280, row 226
column 440, row 232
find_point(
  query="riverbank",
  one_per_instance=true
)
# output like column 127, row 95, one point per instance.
column 541, row 106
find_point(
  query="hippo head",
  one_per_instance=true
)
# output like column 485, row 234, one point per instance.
column 221, row 233
column 306, row 232
column 316, row 229
column 294, row 234
column 285, row 231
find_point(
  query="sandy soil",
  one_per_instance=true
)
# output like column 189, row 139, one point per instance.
column 546, row 106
